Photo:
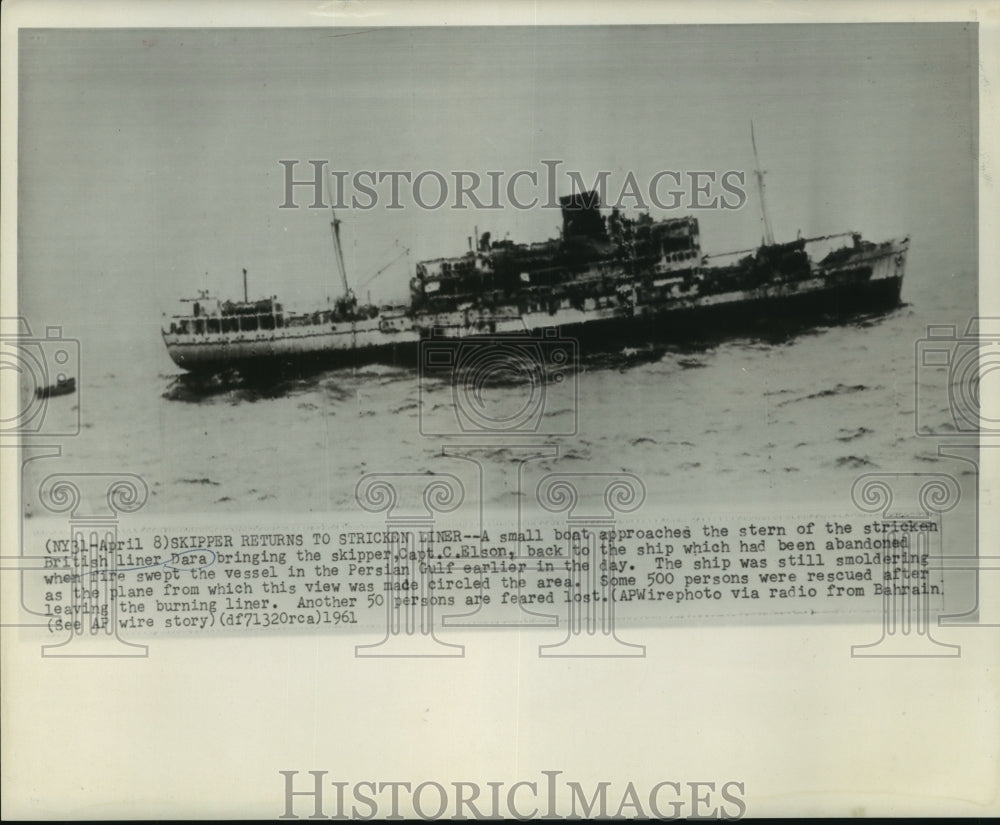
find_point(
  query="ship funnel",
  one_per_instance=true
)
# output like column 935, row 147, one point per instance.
column 581, row 214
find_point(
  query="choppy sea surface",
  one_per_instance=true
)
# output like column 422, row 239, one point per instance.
column 739, row 421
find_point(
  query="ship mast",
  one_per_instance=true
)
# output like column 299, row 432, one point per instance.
column 335, row 229
column 759, row 174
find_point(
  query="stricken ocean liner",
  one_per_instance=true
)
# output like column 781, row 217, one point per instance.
column 608, row 281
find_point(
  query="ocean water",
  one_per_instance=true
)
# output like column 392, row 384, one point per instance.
column 746, row 421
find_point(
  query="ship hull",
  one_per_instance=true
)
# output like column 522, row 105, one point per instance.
column 769, row 310
column 769, row 316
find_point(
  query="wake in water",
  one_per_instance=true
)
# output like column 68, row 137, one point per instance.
column 237, row 388
column 232, row 387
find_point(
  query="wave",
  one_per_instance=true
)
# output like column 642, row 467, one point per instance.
column 850, row 435
column 855, row 462
column 839, row 389
column 635, row 442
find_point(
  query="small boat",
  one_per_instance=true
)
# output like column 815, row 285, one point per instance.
column 64, row 386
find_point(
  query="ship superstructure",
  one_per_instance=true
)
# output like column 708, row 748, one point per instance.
column 607, row 279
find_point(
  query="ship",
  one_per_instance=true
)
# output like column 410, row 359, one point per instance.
column 607, row 281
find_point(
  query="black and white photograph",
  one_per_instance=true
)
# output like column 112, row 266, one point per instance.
column 740, row 232
column 492, row 353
